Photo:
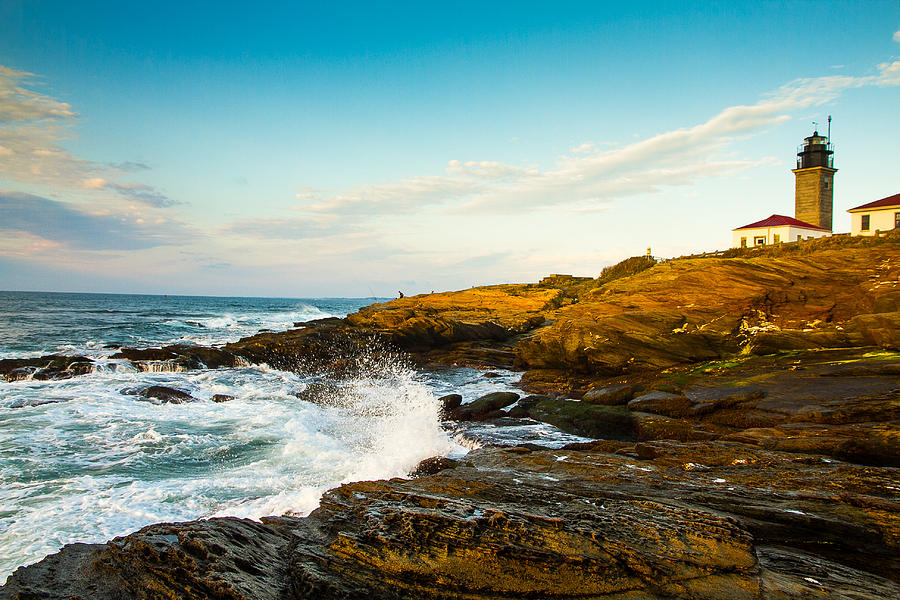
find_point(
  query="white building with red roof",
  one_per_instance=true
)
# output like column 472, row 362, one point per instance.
column 775, row 230
column 881, row 215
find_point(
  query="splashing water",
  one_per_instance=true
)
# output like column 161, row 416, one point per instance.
column 85, row 460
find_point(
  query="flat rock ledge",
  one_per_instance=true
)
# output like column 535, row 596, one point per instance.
column 598, row 520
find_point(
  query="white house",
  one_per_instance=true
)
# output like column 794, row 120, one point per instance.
column 881, row 215
column 774, row 230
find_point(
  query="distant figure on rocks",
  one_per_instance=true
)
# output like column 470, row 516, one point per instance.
column 401, row 294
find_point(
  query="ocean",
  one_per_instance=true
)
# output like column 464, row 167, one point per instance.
column 86, row 459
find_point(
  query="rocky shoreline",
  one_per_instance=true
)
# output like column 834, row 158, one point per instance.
column 747, row 418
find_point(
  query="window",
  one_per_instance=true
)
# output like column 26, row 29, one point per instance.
column 759, row 240
column 826, row 183
column 744, row 240
column 776, row 239
column 864, row 223
column 896, row 220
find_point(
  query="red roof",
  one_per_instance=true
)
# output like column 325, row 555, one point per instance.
column 889, row 201
column 780, row 221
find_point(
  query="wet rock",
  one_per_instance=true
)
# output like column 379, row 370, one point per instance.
column 524, row 405
column 588, row 420
column 484, row 407
column 321, row 393
column 491, row 375
column 612, row 395
column 222, row 398
column 182, row 355
column 20, row 373
column 213, row 559
column 655, row 520
column 433, row 465
column 165, row 395
column 53, row 366
column 331, row 348
column 450, row 402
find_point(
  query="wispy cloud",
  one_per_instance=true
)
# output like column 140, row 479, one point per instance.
column 129, row 166
column 32, row 125
column 303, row 228
column 588, row 178
column 132, row 190
column 19, row 104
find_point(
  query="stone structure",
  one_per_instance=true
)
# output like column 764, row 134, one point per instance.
column 814, row 188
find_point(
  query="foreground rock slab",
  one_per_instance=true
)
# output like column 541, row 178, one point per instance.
column 598, row 520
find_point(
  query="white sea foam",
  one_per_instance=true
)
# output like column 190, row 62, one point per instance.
column 100, row 462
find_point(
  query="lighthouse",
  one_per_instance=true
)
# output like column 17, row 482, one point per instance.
column 813, row 195
column 814, row 181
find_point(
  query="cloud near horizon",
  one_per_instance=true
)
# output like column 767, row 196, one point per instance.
column 70, row 228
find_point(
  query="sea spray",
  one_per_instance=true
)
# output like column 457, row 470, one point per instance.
column 94, row 462
column 81, row 460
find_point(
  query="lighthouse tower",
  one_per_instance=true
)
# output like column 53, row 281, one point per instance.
column 814, row 189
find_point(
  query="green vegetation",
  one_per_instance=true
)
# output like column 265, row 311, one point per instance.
column 626, row 268
column 716, row 366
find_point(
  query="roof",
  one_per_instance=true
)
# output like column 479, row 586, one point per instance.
column 883, row 203
column 781, row 221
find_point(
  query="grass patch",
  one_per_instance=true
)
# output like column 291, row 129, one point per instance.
column 626, row 268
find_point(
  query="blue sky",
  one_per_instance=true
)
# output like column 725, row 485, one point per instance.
column 361, row 148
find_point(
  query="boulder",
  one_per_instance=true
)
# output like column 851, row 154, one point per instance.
column 52, row 366
column 321, row 393
column 661, row 403
column 611, row 395
column 450, row 402
column 484, row 407
column 520, row 410
column 585, row 419
column 433, row 465
column 165, row 395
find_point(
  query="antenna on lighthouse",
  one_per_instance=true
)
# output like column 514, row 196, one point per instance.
column 829, row 128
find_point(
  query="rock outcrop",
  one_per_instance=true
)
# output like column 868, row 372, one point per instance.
column 829, row 293
column 843, row 403
column 601, row 520
column 694, row 310
column 747, row 412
